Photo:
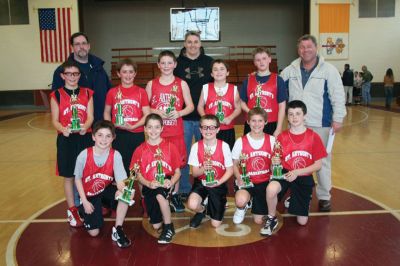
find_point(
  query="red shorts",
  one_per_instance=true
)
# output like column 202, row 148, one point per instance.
column 179, row 142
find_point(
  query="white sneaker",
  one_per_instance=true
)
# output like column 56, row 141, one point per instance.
column 287, row 202
column 239, row 215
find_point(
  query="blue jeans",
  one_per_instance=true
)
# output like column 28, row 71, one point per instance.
column 389, row 96
column 366, row 92
column 190, row 129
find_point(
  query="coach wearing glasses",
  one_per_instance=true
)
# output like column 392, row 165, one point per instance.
column 93, row 74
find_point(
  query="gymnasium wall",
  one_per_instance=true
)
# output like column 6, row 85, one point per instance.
column 373, row 42
column 21, row 68
column 121, row 24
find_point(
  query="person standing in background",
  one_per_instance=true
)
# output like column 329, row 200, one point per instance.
column 366, row 85
column 388, row 83
column 348, row 79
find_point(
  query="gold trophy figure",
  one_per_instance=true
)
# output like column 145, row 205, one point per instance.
column 209, row 173
column 75, row 120
column 277, row 168
column 258, row 95
column 160, row 175
column 220, row 112
column 172, row 100
column 244, row 175
column 119, row 116
column 129, row 190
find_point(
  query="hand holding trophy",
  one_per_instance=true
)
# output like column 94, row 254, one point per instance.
column 129, row 191
column 246, row 183
column 208, row 170
column 220, row 112
column 75, row 120
column 277, row 168
column 119, row 116
column 172, row 100
column 258, row 95
column 159, row 175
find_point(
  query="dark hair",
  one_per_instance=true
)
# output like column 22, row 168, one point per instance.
column 166, row 53
column 153, row 116
column 389, row 73
column 260, row 50
column 297, row 104
column 257, row 111
column 210, row 117
column 68, row 64
column 77, row 34
column 192, row 33
column 347, row 65
column 103, row 124
column 307, row 37
column 127, row 62
column 220, row 61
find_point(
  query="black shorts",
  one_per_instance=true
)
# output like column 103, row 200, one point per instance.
column 228, row 136
column 153, row 208
column 126, row 143
column 269, row 128
column 106, row 198
column 258, row 195
column 68, row 149
column 216, row 198
column 300, row 194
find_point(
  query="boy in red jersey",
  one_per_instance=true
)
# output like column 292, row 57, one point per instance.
column 170, row 98
column 266, row 90
column 71, row 105
column 252, row 152
column 159, row 163
column 95, row 170
column 209, row 155
column 302, row 152
column 222, row 100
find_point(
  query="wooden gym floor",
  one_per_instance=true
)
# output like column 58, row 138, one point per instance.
column 363, row 227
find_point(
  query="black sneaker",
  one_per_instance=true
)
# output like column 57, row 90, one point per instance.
column 176, row 203
column 269, row 227
column 184, row 196
column 324, row 205
column 119, row 236
column 196, row 220
column 166, row 235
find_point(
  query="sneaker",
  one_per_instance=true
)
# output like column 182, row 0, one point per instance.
column 238, row 217
column 73, row 217
column 250, row 204
column 118, row 235
column 196, row 219
column 270, row 225
column 166, row 235
column 286, row 203
column 324, row 205
column 176, row 203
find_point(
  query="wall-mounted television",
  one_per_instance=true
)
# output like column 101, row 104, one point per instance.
column 202, row 19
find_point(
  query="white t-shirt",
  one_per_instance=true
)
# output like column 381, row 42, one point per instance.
column 254, row 143
column 194, row 159
column 220, row 91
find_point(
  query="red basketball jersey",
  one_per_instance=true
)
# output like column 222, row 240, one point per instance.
column 259, row 160
column 217, row 159
column 160, row 98
column 269, row 95
column 94, row 178
column 228, row 103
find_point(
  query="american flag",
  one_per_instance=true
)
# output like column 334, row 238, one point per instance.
column 55, row 31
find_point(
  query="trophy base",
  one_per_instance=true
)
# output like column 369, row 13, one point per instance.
column 119, row 120
column 127, row 201
column 74, row 130
column 160, row 178
column 169, row 110
column 248, row 185
column 209, row 183
column 282, row 177
column 220, row 116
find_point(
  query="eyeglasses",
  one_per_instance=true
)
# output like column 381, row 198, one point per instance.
column 212, row 128
column 72, row 74
column 80, row 44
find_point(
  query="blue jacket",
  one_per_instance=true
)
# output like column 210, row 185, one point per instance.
column 97, row 80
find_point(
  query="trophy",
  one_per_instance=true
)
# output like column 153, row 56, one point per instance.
column 172, row 100
column 209, row 173
column 277, row 168
column 129, row 190
column 220, row 113
column 75, row 120
column 244, row 175
column 258, row 95
column 160, row 175
column 119, row 116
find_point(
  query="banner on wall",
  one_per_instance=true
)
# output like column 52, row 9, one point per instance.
column 334, row 24
column 55, row 31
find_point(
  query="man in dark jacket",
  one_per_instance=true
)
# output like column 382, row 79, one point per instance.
column 93, row 75
column 348, row 80
column 195, row 68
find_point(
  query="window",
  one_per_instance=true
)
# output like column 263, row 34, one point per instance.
column 14, row 12
column 376, row 8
